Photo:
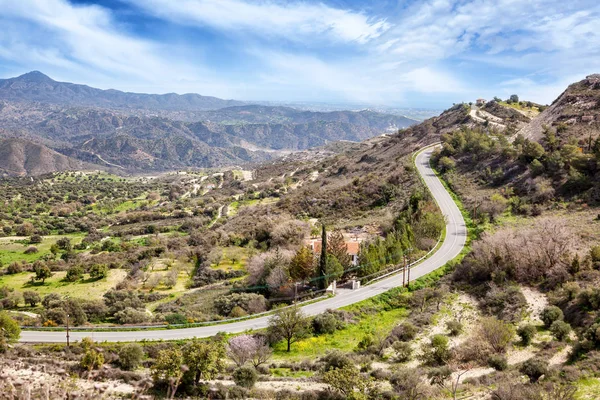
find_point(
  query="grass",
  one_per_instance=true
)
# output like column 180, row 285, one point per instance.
column 345, row 339
column 13, row 248
column 233, row 259
column 588, row 389
column 288, row 373
column 84, row 289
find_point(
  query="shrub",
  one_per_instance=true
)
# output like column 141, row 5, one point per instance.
column 437, row 352
column 130, row 356
column 31, row 250
column 132, row 316
column 498, row 362
column 327, row 322
column 335, row 360
column 98, row 271
column 92, row 359
column 176, row 319
column 249, row 302
column 32, row 298
column 551, row 314
column 498, row 334
column 403, row 351
column 454, row 327
column 74, row 274
column 404, row 332
column 35, row 239
column 9, row 331
column 560, row 330
column 237, row 392
column 534, row 368
column 526, row 333
column 245, row 377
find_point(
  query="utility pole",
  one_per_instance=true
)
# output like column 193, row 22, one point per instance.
column 408, row 251
column 68, row 344
column 295, row 291
column 404, row 271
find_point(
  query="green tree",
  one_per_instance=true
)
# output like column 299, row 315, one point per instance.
column 32, row 298
column 336, row 246
column 74, row 274
column 334, row 268
column 98, row 271
column 9, row 331
column 551, row 314
column 42, row 272
column 168, row 367
column 291, row 324
column 204, row 359
column 302, row 265
column 323, row 281
column 513, row 98
column 526, row 333
column 446, row 164
column 560, row 330
column 532, row 150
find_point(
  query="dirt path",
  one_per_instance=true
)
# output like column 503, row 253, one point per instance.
column 536, row 302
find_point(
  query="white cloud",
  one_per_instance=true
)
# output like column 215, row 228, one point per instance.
column 292, row 20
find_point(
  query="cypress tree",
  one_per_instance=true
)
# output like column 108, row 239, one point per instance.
column 323, row 282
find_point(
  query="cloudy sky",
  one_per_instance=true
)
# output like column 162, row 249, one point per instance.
column 421, row 53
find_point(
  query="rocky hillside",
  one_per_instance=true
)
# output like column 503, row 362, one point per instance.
column 20, row 157
column 575, row 113
column 158, row 132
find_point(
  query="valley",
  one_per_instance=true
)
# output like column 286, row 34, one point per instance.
column 286, row 274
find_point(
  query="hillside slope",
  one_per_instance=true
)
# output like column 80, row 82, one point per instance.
column 21, row 157
column 576, row 110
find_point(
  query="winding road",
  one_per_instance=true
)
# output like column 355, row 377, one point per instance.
column 456, row 235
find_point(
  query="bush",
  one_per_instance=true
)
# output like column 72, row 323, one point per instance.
column 437, row 352
column 534, row 368
column 74, row 274
column 403, row 351
column 526, row 333
column 551, row 314
column 98, row 271
column 328, row 322
column 454, row 327
column 32, row 298
column 498, row 362
column 250, row 302
column 176, row 319
column 31, row 250
column 404, row 332
column 132, row 316
column 237, row 392
column 560, row 330
column 245, row 377
column 9, row 331
column 335, row 360
column 130, row 356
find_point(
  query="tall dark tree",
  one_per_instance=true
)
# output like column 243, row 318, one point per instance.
column 323, row 281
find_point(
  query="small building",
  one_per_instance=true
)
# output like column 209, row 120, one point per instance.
column 352, row 247
column 480, row 102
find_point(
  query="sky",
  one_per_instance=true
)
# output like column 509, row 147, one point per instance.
column 417, row 53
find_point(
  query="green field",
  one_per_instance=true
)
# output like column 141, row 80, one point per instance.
column 84, row 289
column 345, row 340
column 13, row 248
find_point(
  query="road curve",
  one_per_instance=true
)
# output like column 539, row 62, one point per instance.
column 456, row 235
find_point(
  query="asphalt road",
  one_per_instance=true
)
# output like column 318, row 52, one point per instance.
column 456, row 234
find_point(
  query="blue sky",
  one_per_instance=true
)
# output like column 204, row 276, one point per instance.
column 424, row 53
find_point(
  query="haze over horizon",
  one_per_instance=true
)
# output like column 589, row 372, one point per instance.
column 410, row 54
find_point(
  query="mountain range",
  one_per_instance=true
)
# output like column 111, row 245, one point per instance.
column 142, row 132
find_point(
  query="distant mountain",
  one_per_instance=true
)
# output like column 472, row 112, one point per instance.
column 158, row 132
column 21, row 157
column 35, row 86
